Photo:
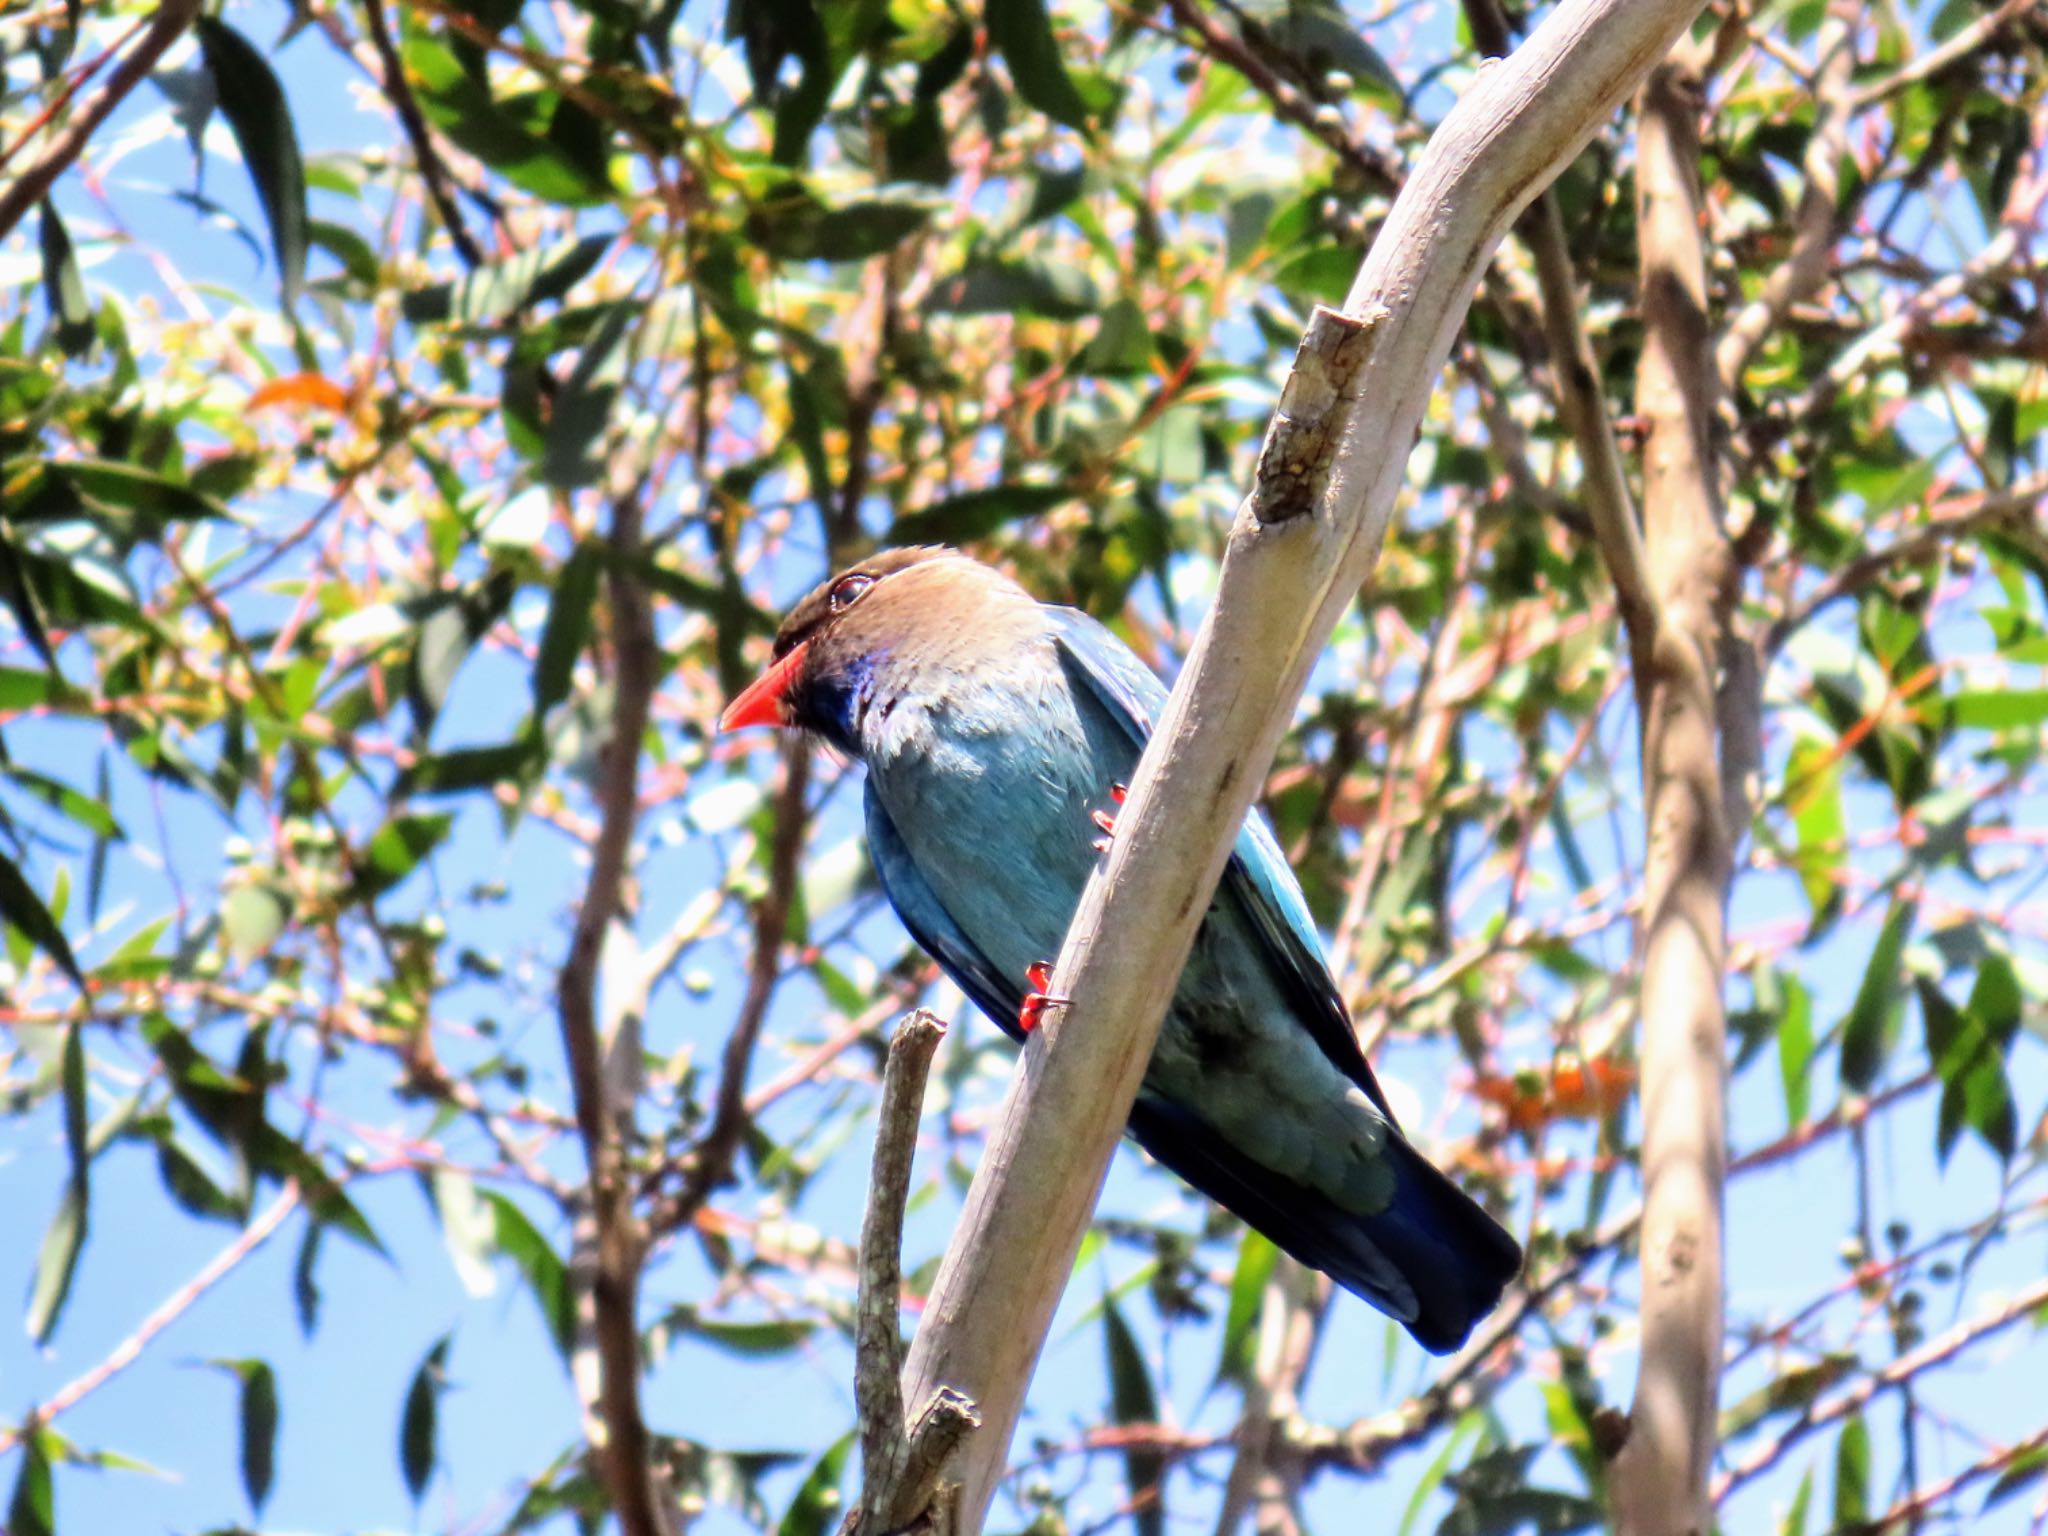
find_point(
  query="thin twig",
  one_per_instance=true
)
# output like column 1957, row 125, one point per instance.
column 711, row 1159
column 173, row 1306
column 617, row 1241
column 432, row 171
column 1934, row 1352
column 1608, row 502
column 1976, row 515
column 172, row 18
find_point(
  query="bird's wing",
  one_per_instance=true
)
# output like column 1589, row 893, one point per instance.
column 1257, row 878
column 933, row 927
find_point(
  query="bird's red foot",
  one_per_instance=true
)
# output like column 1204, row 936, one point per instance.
column 1037, row 976
column 1106, row 820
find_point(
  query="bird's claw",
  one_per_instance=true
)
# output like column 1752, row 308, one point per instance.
column 1037, row 976
column 1106, row 820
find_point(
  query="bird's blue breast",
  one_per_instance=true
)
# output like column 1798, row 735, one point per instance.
column 989, row 783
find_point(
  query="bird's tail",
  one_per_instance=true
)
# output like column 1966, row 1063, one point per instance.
column 1431, row 1259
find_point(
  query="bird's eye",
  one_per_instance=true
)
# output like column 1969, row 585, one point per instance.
column 847, row 589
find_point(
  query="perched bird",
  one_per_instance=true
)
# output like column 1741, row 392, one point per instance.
column 996, row 732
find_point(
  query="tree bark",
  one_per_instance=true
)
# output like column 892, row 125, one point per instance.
column 1283, row 585
column 1660, row 1476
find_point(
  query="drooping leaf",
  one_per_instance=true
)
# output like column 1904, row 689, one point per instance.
column 22, row 907
column 568, row 627
column 1852, row 1475
column 1873, row 1017
column 418, row 1430
column 814, row 1510
column 32, row 1511
column 255, row 107
column 1256, row 1257
column 256, row 1393
column 539, row 1265
column 1021, row 31
column 64, row 287
column 57, row 1263
column 1133, row 1401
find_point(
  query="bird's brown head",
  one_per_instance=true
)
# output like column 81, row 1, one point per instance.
column 829, row 648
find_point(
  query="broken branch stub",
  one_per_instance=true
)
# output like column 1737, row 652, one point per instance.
column 902, row 1467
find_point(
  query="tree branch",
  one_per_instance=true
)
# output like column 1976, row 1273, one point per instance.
column 173, row 1306
column 1660, row 1476
column 1976, row 515
column 616, row 1242
column 1818, row 216
column 172, row 18
column 1897, row 1374
column 432, row 171
column 1283, row 585
column 1608, row 502
column 902, row 1465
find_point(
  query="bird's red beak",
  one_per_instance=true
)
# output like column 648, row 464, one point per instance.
column 761, row 702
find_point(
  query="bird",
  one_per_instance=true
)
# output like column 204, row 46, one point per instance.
column 996, row 733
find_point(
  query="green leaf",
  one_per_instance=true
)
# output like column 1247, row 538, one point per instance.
column 258, row 1395
column 459, row 101
column 1132, row 1401
column 499, row 289
column 1794, row 1523
column 77, row 1110
column 1999, row 709
column 21, row 689
column 791, row 223
column 815, row 1508
column 2026, row 1469
column 254, row 105
column 583, row 407
column 989, row 286
column 545, row 1274
column 89, row 811
column 471, row 768
column 33, row 1509
column 397, row 849
column 1021, row 31
column 22, row 907
column 1968, row 1049
column 56, row 1263
column 568, row 627
column 1795, row 1050
column 975, row 515
column 747, row 1340
column 64, row 286
column 1256, row 1257
column 417, row 1422
column 1852, row 1474
column 1813, row 779
column 1873, row 1018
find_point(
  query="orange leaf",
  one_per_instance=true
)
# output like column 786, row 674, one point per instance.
column 301, row 391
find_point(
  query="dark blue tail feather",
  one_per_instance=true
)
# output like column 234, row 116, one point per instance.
column 1432, row 1260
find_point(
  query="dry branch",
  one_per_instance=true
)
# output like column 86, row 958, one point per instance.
column 1281, row 591
column 902, row 1465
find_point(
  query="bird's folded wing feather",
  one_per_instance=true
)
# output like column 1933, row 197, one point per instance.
column 932, row 925
column 1257, row 878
